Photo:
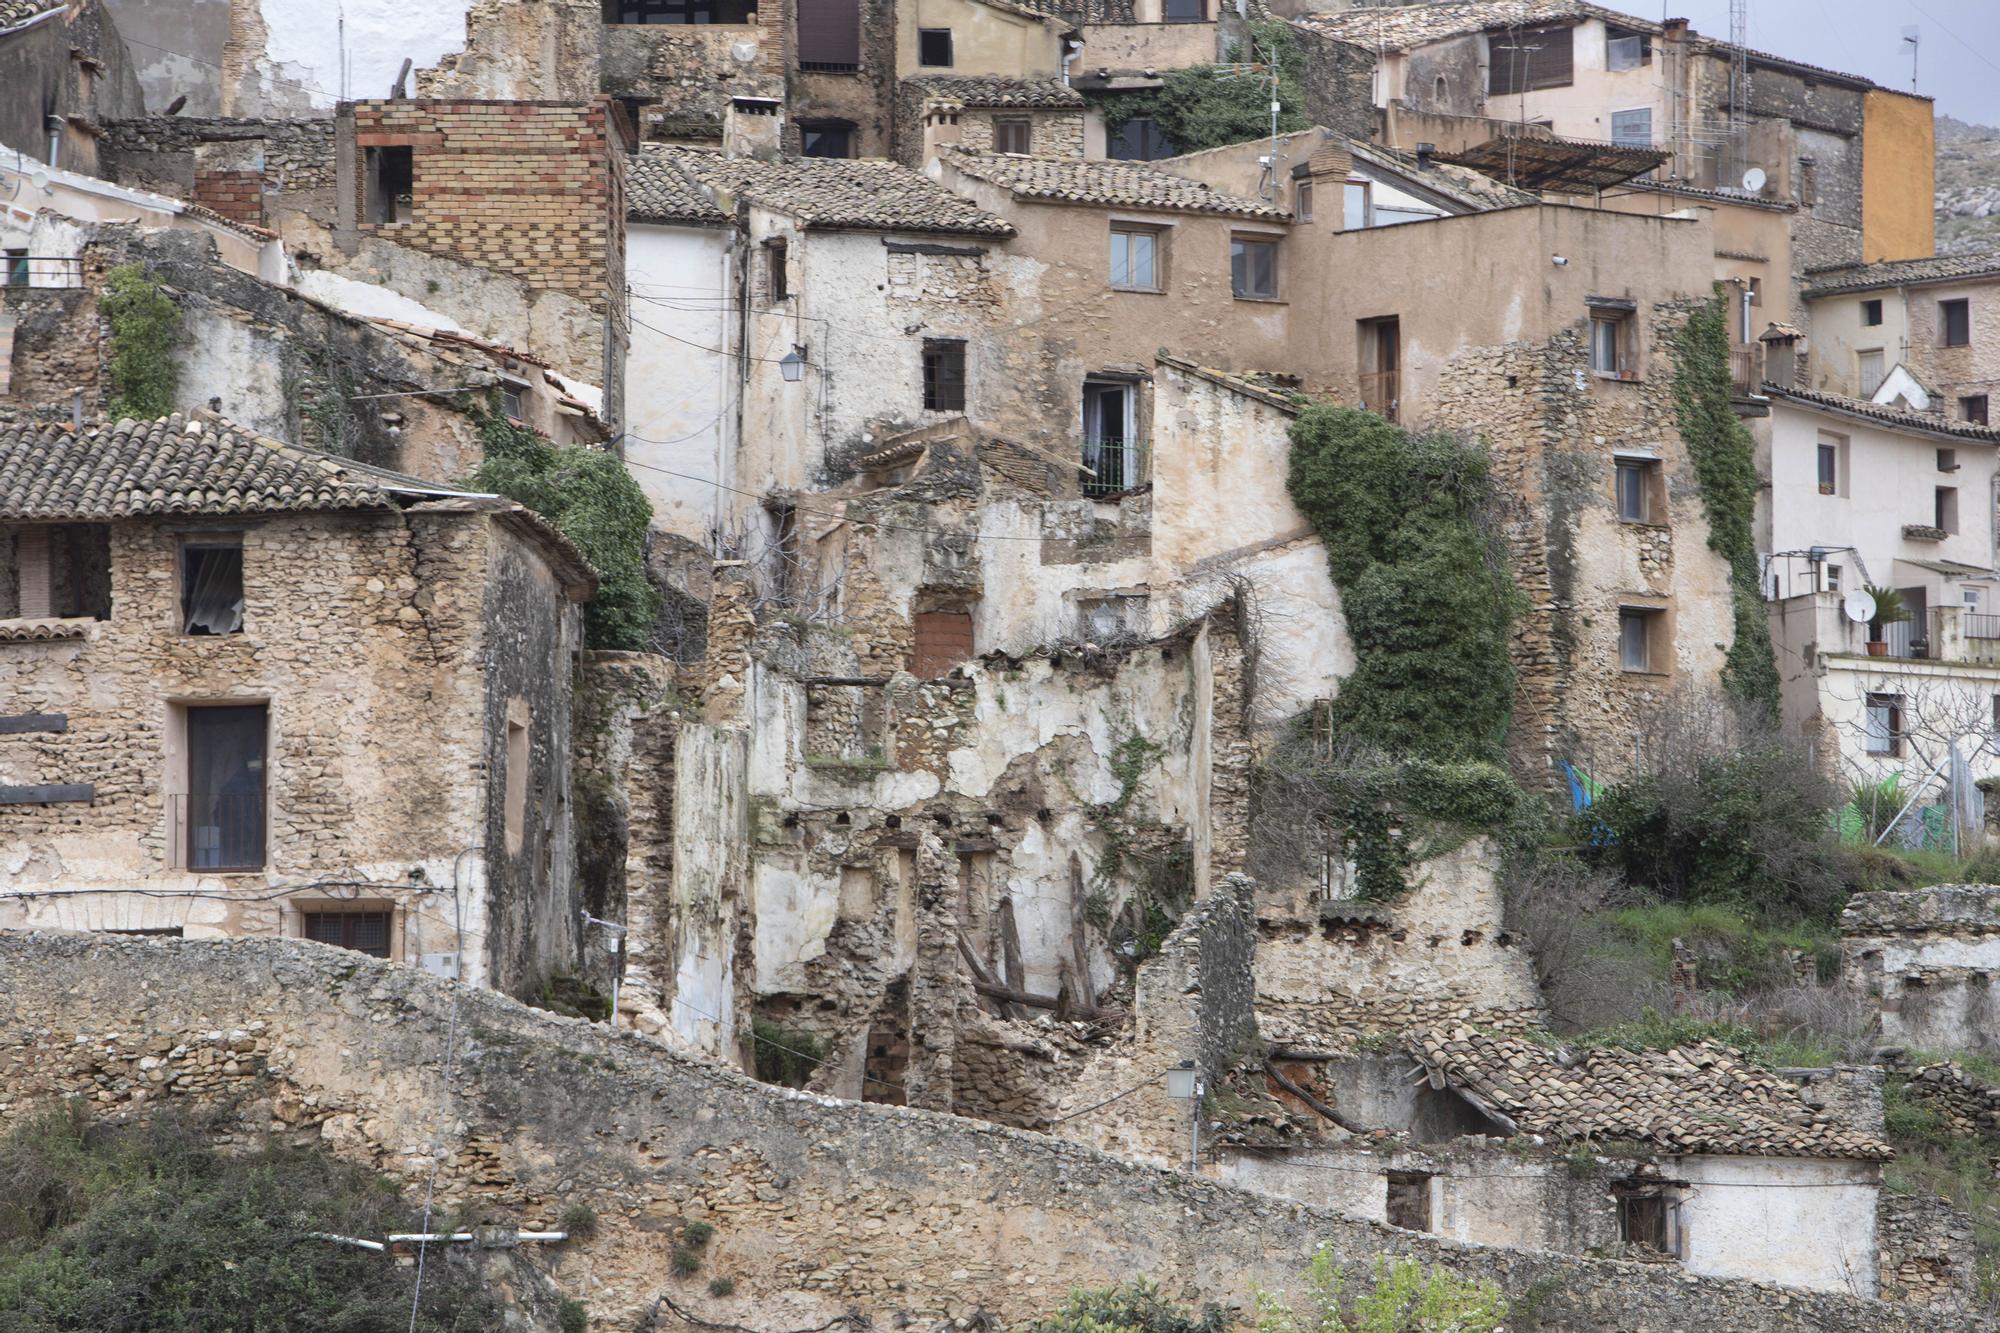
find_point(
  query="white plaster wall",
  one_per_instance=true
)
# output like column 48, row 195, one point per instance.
column 1582, row 110
column 220, row 357
column 1023, row 601
column 78, row 198
column 306, row 42
column 1933, row 694
column 1799, row 1221
column 679, row 406
column 711, row 845
column 1839, row 337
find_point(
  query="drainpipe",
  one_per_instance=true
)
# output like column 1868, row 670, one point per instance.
column 1072, row 48
column 54, row 125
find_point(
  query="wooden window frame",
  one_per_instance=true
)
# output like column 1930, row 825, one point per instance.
column 944, row 392
column 1955, row 311
column 1024, row 126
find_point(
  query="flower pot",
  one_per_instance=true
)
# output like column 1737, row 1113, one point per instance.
column 1877, row 648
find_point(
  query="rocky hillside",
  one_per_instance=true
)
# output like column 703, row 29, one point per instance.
column 1968, row 186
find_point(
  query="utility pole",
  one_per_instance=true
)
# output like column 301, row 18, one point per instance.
column 618, row 966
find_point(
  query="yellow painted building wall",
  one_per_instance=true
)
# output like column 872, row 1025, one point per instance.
column 1898, row 177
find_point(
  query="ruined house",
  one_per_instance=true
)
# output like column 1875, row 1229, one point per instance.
column 1926, row 959
column 211, row 642
column 67, row 72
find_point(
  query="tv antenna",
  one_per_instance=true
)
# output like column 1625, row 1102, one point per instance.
column 1913, row 37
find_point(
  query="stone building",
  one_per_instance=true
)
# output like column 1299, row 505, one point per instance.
column 253, row 689
column 1935, row 319
column 1927, row 958
column 66, row 72
column 1038, row 117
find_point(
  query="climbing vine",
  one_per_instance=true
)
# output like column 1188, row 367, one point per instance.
column 1208, row 106
column 1162, row 882
column 592, row 500
column 145, row 328
column 1726, row 469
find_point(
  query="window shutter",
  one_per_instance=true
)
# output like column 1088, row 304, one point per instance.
column 830, row 32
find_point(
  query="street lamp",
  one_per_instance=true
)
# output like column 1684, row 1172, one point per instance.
column 793, row 365
column 1184, row 1085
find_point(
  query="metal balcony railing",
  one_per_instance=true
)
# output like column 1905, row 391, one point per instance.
column 17, row 270
column 1381, row 393
column 218, row 832
column 1114, row 466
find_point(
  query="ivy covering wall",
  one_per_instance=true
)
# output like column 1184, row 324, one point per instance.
column 145, row 329
column 1208, row 106
column 1725, row 467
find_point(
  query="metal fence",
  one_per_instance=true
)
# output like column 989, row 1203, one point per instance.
column 18, row 270
column 1114, row 466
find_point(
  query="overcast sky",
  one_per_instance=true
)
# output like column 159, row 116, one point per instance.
column 1958, row 61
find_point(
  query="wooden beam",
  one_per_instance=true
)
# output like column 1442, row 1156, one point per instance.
column 22, row 723
column 50, row 793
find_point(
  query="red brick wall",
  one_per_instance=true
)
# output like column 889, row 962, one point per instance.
column 944, row 639
column 237, row 195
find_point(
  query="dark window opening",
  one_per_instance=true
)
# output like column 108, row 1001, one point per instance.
column 1944, row 508
column 512, row 401
column 1409, row 1201
column 1973, row 408
column 225, row 786
column 363, row 932
column 1381, row 348
column 1639, row 630
column 679, row 11
column 163, row 932
column 1956, row 317
column 58, row 571
column 1524, row 59
column 391, row 185
column 1871, row 313
column 1253, row 268
column 944, row 375
column 826, row 139
column 829, row 36
column 211, row 587
column 777, row 283
column 1112, row 453
column 1186, row 11
column 934, row 47
column 1139, row 140
column 1011, row 134
column 1829, row 468
column 15, row 266
column 1643, row 1218
column 1636, row 480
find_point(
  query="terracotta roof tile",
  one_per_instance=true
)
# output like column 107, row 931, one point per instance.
column 1888, row 416
column 1698, row 1098
column 13, row 13
column 856, row 193
column 657, row 190
column 1903, row 272
column 1118, row 183
column 982, row 91
column 1406, row 27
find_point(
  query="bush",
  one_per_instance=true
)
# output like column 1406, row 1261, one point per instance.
column 1205, row 107
column 785, row 1055
column 1405, row 1297
column 592, row 500
column 580, row 1221
column 722, row 1286
column 1136, row 1307
column 685, row 1263
column 145, row 329
column 571, row 1316
column 145, row 1227
column 697, row 1234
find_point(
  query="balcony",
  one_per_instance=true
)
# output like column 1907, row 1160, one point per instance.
column 1746, row 370
column 1112, row 467
column 1381, row 393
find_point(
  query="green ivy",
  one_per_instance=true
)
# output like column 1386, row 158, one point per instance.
column 1206, row 106
column 592, row 500
column 145, row 329
column 1725, row 468
column 1137, row 1307
column 785, row 1055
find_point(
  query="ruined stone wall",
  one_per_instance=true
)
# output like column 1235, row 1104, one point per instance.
column 1929, row 958
column 1929, row 1253
column 50, row 345
column 1339, row 85
column 1051, row 133
column 43, row 69
column 275, row 167
column 819, row 1207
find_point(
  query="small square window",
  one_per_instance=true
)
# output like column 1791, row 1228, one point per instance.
column 1639, row 629
column 1973, row 408
column 1635, row 480
column 1644, row 1219
column 1947, row 460
column 1871, row 313
column 1302, row 201
column 212, row 587
column 512, row 402
column 1011, row 134
column 826, row 140
column 1185, row 11
column 363, row 932
column 1135, row 260
column 1253, row 268
column 944, row 375
column 1409, row 1200
column 934, row 47
column 1955, row 317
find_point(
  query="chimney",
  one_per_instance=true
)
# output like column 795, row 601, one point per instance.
column 753, row 127
column 1784, row 346
column 1425, row 152
column 941, row 128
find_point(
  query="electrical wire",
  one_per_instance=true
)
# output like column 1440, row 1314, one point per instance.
column 1115, row 1097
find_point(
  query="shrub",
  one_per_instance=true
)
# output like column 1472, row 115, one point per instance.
column 571, row 1316
column 580, row 1221
column 1205, row 107
column 592, row 500
column 145, row 329
column 698, row 1234
column 686, row 1263
column 1405, row 1297
column 722, row 1286
column 785, row 1055
column 1136, row 1307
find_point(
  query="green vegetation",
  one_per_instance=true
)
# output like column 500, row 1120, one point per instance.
column 592, row 500
column 145, row 328
column 1405, row 1297
column 785, row 1055
column 146, row 1228
column 1719, row 445
column 580, row 1221
column 698, row 1234
column 722, row 1286
column 1136, row 1307
column 685, row 1262
column 1206, row 106
column 1934, row 1158
column 1162, row 883
column 571, row 1316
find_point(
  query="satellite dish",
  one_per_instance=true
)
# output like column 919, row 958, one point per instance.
column 1859, row 606
column 1753, row 179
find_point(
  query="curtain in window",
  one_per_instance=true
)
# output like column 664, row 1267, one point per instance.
column 213, row 595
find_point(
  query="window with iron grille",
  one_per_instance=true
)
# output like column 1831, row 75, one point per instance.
column 944, row 375
column 224, row 804
column 362, row 931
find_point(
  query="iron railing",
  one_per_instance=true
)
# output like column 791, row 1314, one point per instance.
column 218, row 832
column 41, row 270
column 1746, row 369
column 1114, row 466
column 1381, row 393
column 1979, row 625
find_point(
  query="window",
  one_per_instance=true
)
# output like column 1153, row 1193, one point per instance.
column 830, row 138
column 678, row 11
column 1409, row 1200
column 1186, row 11
column 1970, row 596
column 1625, row 50
column 1135, row 260
column 390, row 185
column 1871, row 313
column 943, row 640
column 60, row 570
column 1973, row 408
column 1111, row 452
column 934, row 47
column 1883, row 725
column 829, row 36
column 1380, row 344
column 1528, row 58
column 1139, row 140
column 944, row 375
column 1354, row 206
column 512, row 403
column 1947, row 460
column 1302, row 201
column 514, row 795
column 1944, row 507
column 1632, row 129
column 1639, row 628
column 1829, row 467
column 362, row 931
column 1011, row 134
column 1833, row 573
column 1608, row 333
column 1955, row 319
column 1644, row 1218
column 1869, row 365
column 15, row 264
column 212, row 587
column 777, row 281
column 1253, row 268
column 225, row 786
column 1636, row 479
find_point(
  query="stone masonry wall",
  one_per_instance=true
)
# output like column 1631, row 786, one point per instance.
column 292, row 160
column 1930, row 959
column 820, row 1208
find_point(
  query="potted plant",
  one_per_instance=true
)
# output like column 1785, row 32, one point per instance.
column 1889, row 610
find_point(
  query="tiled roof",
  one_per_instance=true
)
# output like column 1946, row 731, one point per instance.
column 980, row 90
column 1898, row 417
column 1902, row 272
column 194, row 464
column 1084, row 11
column 657, row 190
column 1474, row 189
column 862, row 193
column 13, row 13
column 1123, row 184
column 1406, row 27
column 1698, row 1098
